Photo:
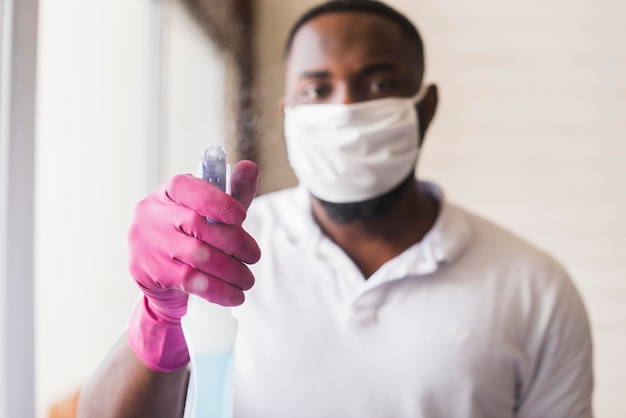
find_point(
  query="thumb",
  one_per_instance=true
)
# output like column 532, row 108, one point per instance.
column 244, row 182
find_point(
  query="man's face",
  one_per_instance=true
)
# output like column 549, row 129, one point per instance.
column 348, row 57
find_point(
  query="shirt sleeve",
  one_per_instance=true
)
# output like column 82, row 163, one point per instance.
column 562, row 382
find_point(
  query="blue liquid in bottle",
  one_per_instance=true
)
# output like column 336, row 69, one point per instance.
column 214, row 392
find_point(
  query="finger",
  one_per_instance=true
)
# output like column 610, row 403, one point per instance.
column 205, row 198
column 244, row 182
column 230, row 239
column 213, row 262
column 175, row 276
column 207, row 287
column 210, row 288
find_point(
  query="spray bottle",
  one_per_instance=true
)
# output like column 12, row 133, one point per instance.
column 210, row 329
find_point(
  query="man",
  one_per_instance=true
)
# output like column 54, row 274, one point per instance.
column 375, row 297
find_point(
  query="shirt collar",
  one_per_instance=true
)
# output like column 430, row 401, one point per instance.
column 451, row 233
column 447, row 239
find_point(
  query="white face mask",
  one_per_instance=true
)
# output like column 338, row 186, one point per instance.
column 354, row 152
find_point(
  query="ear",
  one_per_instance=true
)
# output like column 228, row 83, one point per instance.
column 281, row 105
column 426, row 109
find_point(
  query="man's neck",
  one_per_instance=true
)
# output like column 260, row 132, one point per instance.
column 372, row 242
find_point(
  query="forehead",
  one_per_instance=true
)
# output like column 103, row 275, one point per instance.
column 349, row 39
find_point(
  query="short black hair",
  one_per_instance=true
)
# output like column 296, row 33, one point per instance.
column 365, row 6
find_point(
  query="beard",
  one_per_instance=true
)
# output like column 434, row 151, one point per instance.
column 377, row 207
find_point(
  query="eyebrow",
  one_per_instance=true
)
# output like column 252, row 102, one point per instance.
column 368, row 69
column 315, row 74
column 379, row 66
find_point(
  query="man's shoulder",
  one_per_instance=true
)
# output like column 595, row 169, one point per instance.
column 482, row 242
column 500, row 246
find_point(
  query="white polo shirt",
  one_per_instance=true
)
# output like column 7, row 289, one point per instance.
column 469, row 322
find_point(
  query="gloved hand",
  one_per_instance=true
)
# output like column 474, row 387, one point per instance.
column 175, row 251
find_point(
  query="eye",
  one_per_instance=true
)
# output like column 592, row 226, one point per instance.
column 315, row 91
column 380, row 87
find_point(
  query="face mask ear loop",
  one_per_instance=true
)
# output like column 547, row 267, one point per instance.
column 421, row 93
column 416, row 99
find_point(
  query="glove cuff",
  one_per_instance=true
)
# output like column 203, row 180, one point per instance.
column 159, row 344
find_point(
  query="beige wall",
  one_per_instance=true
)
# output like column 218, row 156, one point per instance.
column 531, row 132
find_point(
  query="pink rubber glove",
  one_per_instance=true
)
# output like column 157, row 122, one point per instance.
column 175, row 251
